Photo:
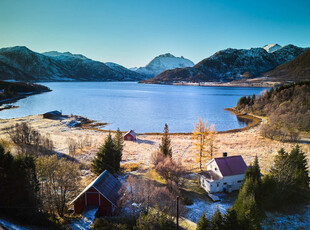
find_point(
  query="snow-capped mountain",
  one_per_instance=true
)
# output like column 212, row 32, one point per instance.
column 231, row 64
column 20, row 63
column 271, row 47
column 163, row 62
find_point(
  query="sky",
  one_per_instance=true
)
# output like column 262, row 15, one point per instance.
column 133, row 32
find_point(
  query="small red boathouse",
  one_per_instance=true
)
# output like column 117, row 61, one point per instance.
column 102, row 193
column 130, row 136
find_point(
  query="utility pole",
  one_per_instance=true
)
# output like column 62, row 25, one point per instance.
column 177, row 212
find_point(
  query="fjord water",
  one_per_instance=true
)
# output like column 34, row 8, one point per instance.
column 142, row 107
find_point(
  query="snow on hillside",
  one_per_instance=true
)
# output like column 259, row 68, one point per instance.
column 63, row 55
column 164, row 62
column 272, row 47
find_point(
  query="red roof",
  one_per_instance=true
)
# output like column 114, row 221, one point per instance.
column 232, row 165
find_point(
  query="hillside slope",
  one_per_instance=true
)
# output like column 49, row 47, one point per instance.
column 296, row 70
column 287, row 107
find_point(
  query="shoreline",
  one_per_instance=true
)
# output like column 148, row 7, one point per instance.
column 254, row 121
column 21, row 96
column 218, row 84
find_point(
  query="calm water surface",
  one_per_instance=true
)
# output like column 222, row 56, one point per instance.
column 142, row 107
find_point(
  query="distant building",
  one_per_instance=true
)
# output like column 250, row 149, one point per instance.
column 52, row 114
column 102, row 193
column 223, row 174
column 130, row 136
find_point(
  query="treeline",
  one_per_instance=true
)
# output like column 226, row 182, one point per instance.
column 286, row 185
column 287, row 107
column 13, row 89
column 35, row 185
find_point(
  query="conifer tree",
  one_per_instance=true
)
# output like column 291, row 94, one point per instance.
column 18, row 185
column 165, row 146
column 119, row 145
column 217, row 220
column 106, row 157
column 290, row 173
column 203, row 223
column 248, row 204
column 231, row 220
column 299, row 163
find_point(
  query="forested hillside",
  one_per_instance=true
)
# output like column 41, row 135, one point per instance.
column 287, row 107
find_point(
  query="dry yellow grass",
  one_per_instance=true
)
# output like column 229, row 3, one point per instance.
column 247, row 143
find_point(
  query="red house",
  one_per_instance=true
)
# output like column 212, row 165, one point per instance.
column 102, row 193
column 130, row 136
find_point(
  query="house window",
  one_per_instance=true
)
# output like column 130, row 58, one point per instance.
column 239, row 181
column 217, row 185
column 225, row 183
column 215, row 169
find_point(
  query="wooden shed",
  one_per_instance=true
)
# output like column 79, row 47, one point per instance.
column 130, row 136
column 102, row 193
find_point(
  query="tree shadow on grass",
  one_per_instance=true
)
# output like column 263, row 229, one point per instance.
column 145, row 142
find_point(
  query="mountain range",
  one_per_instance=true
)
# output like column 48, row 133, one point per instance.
column 232, row 64
column 22, row 64
column 271, row 61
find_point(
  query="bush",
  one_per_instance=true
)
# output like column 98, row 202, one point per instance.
column 155, row 220
column 110, row 224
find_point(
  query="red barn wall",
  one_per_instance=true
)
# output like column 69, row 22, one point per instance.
column 92, row 199
column 128, row 137
column 79, row 205
column 105, row 207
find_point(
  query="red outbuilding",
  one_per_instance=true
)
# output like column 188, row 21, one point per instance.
column 102, row 193
column 130, row 136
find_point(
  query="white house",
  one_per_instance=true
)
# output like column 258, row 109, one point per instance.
column 223, row 174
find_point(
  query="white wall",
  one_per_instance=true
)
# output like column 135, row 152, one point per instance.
column 230, row 183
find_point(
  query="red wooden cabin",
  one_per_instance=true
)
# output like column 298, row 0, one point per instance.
column 130, row 136
column 102, row 193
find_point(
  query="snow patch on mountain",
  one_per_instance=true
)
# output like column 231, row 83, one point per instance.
column 63, row 55
column 162, row 63
column 271, row 47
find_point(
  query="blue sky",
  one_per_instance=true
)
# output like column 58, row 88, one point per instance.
column 132, row 32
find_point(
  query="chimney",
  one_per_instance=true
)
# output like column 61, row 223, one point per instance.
column 224, row 154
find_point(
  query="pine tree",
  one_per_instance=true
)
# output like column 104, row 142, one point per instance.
column 299, row 164
column 217, row 220
column 248, row 205
column 18, row 174
column 203, row 223
column 106, row 157
column 290, row 173
column 231, row 220
column 165, row 146
column 119, row 145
